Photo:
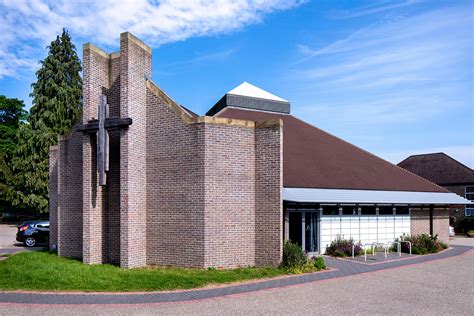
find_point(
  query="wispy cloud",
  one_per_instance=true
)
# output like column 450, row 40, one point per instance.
column 27, row 25
column 374, row 8
column 207, row 57
column 404, row 69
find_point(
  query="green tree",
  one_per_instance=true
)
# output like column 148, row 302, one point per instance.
column 28, row 181
column 57, row 106
column 57, row 95
column 12, row 115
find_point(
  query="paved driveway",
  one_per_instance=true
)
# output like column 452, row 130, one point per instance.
column 7, row 235
column 8, row 243
column 439, row 287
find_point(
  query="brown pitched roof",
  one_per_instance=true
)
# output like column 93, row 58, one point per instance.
column 439, row 168
column 313, row 158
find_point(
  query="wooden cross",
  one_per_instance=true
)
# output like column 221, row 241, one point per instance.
column 101, row 128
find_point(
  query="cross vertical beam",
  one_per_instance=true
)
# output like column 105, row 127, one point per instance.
column 103, row 142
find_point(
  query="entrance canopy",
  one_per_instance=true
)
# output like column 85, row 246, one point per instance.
column 370, row 196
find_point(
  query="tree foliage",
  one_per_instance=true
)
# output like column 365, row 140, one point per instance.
column 57, row 95
column 12, row 114
column 57, row 106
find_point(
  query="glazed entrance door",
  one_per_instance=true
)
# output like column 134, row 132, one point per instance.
column 311, row 232
column 303, row 229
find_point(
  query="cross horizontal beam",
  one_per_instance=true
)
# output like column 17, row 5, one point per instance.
column 110, row 124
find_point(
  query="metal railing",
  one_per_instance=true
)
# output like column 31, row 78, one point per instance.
column 386, row 246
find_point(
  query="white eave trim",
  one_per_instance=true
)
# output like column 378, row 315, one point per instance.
column 370, row 196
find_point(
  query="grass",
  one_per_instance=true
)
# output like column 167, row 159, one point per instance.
column 46, row 271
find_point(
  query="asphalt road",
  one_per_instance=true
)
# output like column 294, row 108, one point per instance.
column 442, row 287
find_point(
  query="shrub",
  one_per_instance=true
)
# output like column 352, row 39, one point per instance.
column 318, row 263
column 343, row 247
column 466, row 225
column 293, row 256
column 422, row 244
column 296, row 261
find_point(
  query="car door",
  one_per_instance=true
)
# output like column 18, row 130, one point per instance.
column 43, row 232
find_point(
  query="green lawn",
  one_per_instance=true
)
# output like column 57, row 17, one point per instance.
column 47, row 271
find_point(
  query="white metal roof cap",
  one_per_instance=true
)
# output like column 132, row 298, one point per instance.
column 249, row 90
column 370, row 196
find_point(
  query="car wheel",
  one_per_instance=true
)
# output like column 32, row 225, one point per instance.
column 30, row 242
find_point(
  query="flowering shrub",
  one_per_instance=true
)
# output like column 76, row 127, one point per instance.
column 343, row 247
column 296, row 261
column 422, row 244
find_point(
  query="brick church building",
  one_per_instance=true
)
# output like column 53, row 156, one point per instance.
column 142, row 180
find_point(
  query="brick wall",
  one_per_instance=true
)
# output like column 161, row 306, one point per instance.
column 175, row 183
column 202, row 189
column 53, row 195
column 268, row 195
column 135, row 66
column 229, row 196
column 95, row 83
column 113, row 175
column 420, row 222
column 69, row 219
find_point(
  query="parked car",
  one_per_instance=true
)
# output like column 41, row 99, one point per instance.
column 451, row 231
column 33, row 233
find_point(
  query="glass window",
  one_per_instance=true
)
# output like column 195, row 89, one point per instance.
column 367, row 210
column 330, row 210
column 470, row 193
column 402, row 210
column 469, row 210
column 386, row 210
column 349, row 210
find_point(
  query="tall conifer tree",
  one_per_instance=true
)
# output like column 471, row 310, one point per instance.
column 57, row 106
column 57, row 95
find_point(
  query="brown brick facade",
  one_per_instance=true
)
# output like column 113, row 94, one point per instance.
column 181, row 190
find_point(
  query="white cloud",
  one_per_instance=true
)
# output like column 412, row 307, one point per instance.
column 32, row 24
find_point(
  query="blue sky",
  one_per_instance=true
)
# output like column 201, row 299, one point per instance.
column 392, row 77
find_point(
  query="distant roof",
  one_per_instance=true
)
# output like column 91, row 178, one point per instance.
column 439, row 168
column 313, row 158
column 249, row 90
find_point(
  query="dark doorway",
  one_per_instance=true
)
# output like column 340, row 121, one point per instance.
column 295, row 222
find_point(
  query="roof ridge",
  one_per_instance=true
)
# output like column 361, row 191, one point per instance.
column 371, row 154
